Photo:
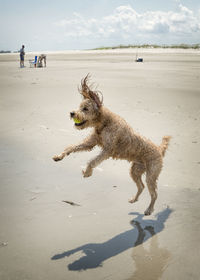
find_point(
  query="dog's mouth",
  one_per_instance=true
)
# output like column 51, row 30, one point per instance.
column 77, row 122
column 80, row 123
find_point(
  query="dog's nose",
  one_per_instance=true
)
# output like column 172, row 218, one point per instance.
column 72, row 114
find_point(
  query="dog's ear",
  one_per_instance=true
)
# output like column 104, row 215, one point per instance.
column 87, row 92
column 84, row 88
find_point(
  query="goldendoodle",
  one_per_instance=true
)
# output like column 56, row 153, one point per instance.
column 118, row 141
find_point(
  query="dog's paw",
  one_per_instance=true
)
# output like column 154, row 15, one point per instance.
column 87, row 172
column 148, row 212
column 132, row 200
column 57, row 158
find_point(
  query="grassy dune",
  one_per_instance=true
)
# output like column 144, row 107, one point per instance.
column 179, row 46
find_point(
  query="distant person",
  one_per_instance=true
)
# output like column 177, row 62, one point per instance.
column 22, row 54
column 42, row 58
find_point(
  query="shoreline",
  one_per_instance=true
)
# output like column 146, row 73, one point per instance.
column 116, row 50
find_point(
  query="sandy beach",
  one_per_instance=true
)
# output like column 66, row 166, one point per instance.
column 103, row 237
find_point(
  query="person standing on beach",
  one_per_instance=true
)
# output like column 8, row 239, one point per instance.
column 22, row 54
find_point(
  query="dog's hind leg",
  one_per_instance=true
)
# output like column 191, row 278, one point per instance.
column 136, row 171
column 151, row 178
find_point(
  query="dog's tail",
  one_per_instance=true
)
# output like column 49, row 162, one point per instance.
column 165, row 143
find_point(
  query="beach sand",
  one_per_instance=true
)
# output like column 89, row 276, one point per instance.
column 42, row 237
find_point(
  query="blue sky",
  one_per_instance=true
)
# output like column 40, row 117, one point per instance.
column 84, row 24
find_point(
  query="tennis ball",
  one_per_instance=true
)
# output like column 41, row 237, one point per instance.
column 76, row 120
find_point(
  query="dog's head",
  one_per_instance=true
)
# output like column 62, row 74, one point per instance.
column 89, row 110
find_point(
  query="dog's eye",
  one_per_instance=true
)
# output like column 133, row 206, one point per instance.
column 85, row 109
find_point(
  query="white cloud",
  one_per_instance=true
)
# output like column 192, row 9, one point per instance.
column 125, row 22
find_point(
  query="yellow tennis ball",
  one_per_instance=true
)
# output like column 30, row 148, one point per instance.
column 76, row 120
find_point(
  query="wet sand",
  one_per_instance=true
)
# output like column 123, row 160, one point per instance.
column 103, row 237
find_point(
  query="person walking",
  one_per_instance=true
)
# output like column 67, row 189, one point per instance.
column 22, row 54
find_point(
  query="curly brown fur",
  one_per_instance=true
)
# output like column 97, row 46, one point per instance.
column 118, row 141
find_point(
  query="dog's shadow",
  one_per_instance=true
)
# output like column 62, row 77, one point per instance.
column 97, row 253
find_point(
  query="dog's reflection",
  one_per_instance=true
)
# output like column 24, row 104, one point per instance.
column 149, row 262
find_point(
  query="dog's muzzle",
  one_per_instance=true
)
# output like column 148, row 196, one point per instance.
column 72, row 114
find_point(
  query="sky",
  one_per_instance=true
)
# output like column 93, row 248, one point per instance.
column 85, row 24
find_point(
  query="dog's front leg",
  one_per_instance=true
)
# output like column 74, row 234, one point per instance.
column 67, row 151
column 94, row 162
column 87, row 145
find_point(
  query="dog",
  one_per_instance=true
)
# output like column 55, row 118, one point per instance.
column 117, row 140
